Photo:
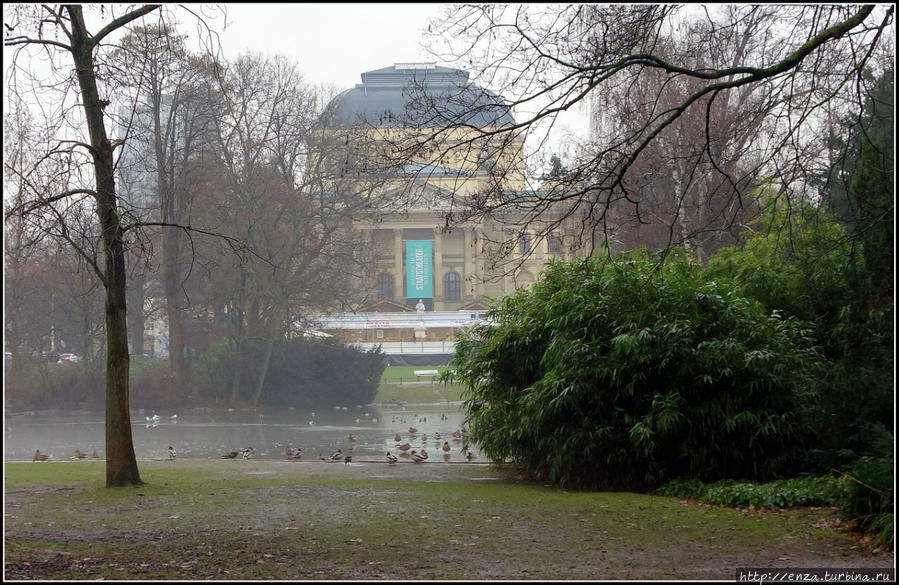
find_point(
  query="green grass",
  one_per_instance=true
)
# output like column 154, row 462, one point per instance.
column 419, row 393
column 288, row 521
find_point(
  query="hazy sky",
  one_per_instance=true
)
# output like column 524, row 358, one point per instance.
column 331, row 42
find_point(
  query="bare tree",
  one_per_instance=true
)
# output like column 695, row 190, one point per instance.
column 306, row 253
column 63, row 29
column 167, row 134
column 713, row 100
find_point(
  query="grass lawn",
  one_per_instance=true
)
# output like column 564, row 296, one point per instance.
column 202, row 519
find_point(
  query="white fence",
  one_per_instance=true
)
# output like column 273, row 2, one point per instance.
column 410, row 347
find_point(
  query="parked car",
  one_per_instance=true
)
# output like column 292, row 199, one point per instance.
column 69, row 358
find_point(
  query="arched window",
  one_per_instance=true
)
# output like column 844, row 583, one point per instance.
column 524, row 244
column 452, row 286
column 554, row 244
column 385, row 286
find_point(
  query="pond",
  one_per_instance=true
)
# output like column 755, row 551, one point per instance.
column 207, row 433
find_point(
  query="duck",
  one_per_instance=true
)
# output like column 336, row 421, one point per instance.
column 457, row 434
column 352, row 438
column 424, row 437
column 292, row 452
column 95, row 455
column 347, row 459
column 417, row 458
column 79, row 454
column 38, row 456
column 404, row 447
column 172, row 453
column 397, row 438
column 247, row 452
column 469, row 455
column 446, row 447
column 391, row 459
column 336, row 456
column 423, row 454
column 231, row 455
column 412, row 430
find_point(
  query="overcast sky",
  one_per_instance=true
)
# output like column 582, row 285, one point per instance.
column 331, row 42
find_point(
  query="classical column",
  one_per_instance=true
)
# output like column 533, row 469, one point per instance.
column 399, row 277
column 438, row 266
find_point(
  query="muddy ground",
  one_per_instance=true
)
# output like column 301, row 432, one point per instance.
column 312, row 520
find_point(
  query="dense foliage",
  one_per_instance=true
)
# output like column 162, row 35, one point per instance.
column 822, row 490
column 633, row 371
column 818, row 274
column 304, row 372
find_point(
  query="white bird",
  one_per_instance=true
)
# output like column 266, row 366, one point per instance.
column 174, row 416
column 172, row 453
column 391, row 459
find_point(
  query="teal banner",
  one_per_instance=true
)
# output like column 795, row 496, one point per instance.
column 419, row 273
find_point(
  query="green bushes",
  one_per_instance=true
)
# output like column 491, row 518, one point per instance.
column 305, row 373
column 625, row 373
column 864, row 495
column 866, row 498
column 783, row 493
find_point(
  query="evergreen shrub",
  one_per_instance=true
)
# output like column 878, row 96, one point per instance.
column 629, row 372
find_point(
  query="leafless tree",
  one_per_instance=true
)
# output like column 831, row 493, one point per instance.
column 699, row 104
column 62, row 32
column 306, row 252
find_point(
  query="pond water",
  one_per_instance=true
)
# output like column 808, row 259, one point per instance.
column 207, row 433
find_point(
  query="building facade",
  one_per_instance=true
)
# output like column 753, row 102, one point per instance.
column 417, row 255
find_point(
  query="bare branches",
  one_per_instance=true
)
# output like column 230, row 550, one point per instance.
column 707, row 102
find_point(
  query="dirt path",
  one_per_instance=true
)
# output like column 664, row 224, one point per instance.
column 367, row 520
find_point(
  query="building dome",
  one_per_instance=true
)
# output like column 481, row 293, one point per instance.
column 417, row 95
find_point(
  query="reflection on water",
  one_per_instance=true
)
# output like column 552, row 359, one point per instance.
column 209, row 434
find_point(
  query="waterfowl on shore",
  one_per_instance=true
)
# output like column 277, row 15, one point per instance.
column 79, row 454
column 391, row 459
column 172, row 453
column 417, row 458
column 38, row 456
column 293, row 452
column 231, row 455
column 347, row 459
column 95, row 455
column 247, row 452
column 336, row 456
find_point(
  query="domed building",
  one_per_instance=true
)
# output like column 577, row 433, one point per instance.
column 374, row 135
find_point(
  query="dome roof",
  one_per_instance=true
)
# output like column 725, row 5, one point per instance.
column 418, row 95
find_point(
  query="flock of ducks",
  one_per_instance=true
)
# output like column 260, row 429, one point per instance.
column 296, row 453
column 79, row 455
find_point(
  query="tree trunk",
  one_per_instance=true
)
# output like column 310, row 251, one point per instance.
column 136, row 319
column 171, row 245
column 121, row 463
column 261, row 382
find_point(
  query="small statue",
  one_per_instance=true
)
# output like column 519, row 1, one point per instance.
column 420, row 308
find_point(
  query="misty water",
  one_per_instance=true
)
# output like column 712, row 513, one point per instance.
column 208, row 433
